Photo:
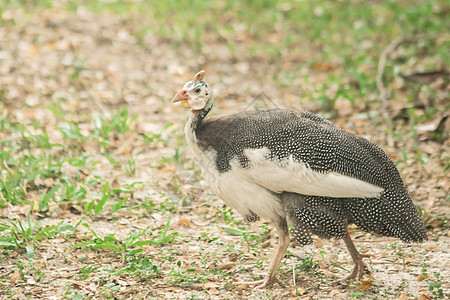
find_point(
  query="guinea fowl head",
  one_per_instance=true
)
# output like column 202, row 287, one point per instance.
column 196, row 94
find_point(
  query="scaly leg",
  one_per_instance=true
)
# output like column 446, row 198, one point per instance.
column 358, row 270
column 275, row 260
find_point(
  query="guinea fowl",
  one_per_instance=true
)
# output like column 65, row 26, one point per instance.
column 292, row 165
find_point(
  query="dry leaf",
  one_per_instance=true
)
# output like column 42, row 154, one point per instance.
column 334, row 292
column 430, row 247
column 435, row 222
column 227, row 266
column 421, row 277
column 324, row 67
column 15, row 276
column 64, row 214
column 424, row 297
column 365, row 285
column 402, row 297
column 319, row 243
column 115, row 184
column 77, row 208
column 426, row 219
column 184, row 222
column 327, row 273
column 298, row 292
column 213, row 291
column 209, row 285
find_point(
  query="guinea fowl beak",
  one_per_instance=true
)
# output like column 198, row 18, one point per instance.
column 183, row 97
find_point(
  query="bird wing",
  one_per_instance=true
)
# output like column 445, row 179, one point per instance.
column 289, row 175
column 297, row 151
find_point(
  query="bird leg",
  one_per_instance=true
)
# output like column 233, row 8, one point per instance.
column 358, row 270
column 283, row 244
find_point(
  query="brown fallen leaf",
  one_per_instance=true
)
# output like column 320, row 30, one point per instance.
column 365, row 284
column 65, row 214
column 213, row 291
column 185, row 223
column 435, row 223
column 227, row 266
column 334, row 292
column 126, row 291
column 77, row 208
column 298, row 292
column 319, row 243
column 15, row 276
column 324, row 67
column 426, row 219
column 115, row 184
column 430, row 247
column 402, row 297
column 424, row 297
column 210, row 285
column 421, row 277
column 327, row 273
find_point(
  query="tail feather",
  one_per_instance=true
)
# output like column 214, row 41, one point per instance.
column 390, row 215
column 397, row 218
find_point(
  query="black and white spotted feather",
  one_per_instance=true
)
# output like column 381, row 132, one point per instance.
column 289, row 164
column 324, row 148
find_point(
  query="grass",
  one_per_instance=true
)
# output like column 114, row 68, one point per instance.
column 72, row 163
column 26, row 235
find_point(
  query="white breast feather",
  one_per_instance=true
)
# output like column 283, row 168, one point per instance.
column 234, row 187
column 240, row 192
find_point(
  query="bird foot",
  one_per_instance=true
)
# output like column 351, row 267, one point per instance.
column 358, row 270
column 259, row 284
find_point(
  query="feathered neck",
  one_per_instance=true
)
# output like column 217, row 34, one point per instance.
column 197, row 116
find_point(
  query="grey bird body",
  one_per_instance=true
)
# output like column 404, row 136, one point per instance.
column 323, row 147
column 292, row 165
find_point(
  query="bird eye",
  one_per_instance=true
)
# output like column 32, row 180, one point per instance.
column 197, row 91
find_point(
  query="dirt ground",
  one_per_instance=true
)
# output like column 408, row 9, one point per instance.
column 91, row 64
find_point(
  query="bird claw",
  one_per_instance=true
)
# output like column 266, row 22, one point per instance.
column 358, row 270
column 259, row 284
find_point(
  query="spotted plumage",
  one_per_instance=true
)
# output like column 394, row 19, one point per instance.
column 251, row 217
column 307, row 137
column 291, row 165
